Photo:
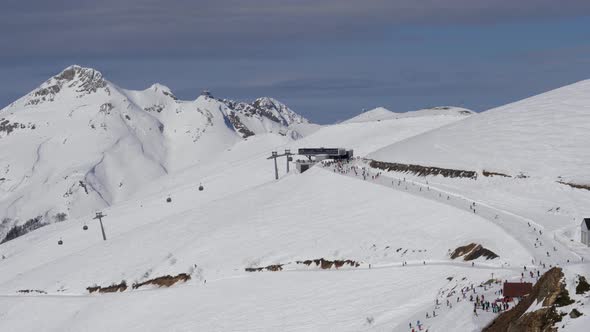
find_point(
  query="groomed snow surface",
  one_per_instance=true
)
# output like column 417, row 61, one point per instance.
column 545, row 136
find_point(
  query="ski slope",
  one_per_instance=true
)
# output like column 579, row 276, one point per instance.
column 271, row 224
column 545, row 136
column 275, row 223
column 286, row 301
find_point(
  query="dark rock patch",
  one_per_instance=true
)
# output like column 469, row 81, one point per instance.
column 576, row 185
column 20, row 230
column 473, row 251
column 328, row 264
column 320, row 262
column 489, row 173
column 239, row 126
column 106, row 108
column 575, row 313
column 121, row 287
column 583, row 285
column 8, row 127
column 164, row 281
column 274, row 268
column 169, row 94
column 420, row 170
column 154, row 108
column 27, row 291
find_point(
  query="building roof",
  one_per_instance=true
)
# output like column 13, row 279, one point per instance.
column 587, row 222
column 517, row 289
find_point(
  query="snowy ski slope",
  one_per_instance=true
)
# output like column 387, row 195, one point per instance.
column 545, row 136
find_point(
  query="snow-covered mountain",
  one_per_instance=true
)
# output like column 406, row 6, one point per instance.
column 79, row 143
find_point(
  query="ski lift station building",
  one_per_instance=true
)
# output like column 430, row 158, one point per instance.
column 318, row 154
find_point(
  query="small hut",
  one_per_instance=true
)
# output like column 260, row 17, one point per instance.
column 586, row 231
column 516, row 289
column 206, row 94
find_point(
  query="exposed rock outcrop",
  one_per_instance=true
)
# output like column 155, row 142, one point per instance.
column 473, row 251
column 576, row 185
column 7, row 127
column 328, row 264
column 261, row 108
column 489, row 173
column 324, row 264
column 83, row 80
column 275, row 267
column 121, row 287
column 241, row 128
column 164, row 281
column 29, row 291
column 583, row 286
column 420, row 170
column 19, row 230
column 550, row 291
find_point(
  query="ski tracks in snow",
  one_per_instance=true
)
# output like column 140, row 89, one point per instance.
column 524, row 230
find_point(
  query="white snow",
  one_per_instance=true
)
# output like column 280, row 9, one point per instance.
column 543, row 136
column 381, row 113
column 245, row 219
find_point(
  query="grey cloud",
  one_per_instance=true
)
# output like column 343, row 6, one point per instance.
column 232, row 27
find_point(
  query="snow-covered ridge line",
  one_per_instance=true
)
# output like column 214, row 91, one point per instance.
column 100, row 143
column 383, row 114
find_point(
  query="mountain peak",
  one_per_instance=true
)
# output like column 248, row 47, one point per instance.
column 284, row 114
column 375, row 114
column 157, row 87
column 268, row 102
column 80, row 80
column 70, row 72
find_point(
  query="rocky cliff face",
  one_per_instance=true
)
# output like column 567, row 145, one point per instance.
column 272, row 114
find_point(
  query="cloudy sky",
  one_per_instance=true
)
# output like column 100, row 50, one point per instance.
column 327, row 59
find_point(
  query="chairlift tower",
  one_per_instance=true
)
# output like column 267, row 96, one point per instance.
column 275, row 155
column 288, row 154
column 99, row 216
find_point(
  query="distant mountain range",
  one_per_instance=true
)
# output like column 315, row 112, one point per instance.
column 79, row 142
